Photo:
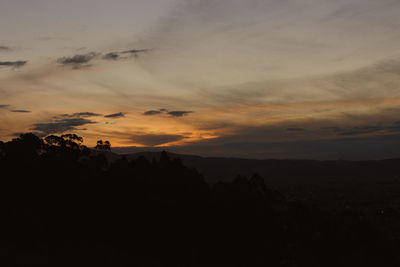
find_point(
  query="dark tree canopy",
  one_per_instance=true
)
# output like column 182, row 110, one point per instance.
column 103, row 145
column 63, row 205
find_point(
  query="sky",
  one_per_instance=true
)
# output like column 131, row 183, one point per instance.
column 315, row 79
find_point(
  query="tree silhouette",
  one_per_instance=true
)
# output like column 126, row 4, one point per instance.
column 62, row 204
column 103, row 146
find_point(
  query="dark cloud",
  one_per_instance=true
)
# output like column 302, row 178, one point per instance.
column 86, row 114
column 394, row 128
column 135, row 51
column 20, row 111
column 362, row 130
column 115, row 115
column 156, row 139
column 179, row 113
column 5, row 48
column 111, row 56
column 13, row 64
column 78, row 61
column 124, row 54
column 80, row 115
column 152, row 112
column 295, row 129
column 60, row 126
column 332, row 128
column 175, row 113
column 4, row 106
column 366, row 129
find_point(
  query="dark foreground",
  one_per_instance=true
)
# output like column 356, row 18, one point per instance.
column 63, row 205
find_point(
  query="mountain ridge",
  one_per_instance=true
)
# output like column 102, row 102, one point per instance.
column 280, row 172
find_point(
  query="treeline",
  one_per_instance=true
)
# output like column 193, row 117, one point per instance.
column 66, row 205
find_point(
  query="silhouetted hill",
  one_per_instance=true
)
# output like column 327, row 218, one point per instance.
column 288, row 172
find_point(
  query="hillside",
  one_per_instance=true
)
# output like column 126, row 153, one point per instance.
column 288, row 172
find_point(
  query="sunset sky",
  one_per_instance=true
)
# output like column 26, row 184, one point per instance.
column 313, row 79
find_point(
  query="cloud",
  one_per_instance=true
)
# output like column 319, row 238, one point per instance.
column 394, row 128
column 111, row 56
column 361, row 130
column 120, row 55
column 179, row 113
column 115, row 115
column 81, row 114
column 156, row 139
column 20, row 111
column 332, row 128
column 135, row 52
column 5, row 48
column 78, row 61
column 60, row 126
column 295, row 129
column 273, row 41
column 152, row 112
column 14, row 110
column 14, row 64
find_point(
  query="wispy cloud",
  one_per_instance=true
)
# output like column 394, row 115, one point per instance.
column 115, row 115
column 78, row 61
column 152, row 112
column 156, row 139
column 60, row 126
column 179, row 113
column 13, row 64
column 135, row 52
column 174, row 113
column 295, row 129
column 5, row 48
column 20, row 111
column 124, row 54
column 111, row 56
column 81, row 115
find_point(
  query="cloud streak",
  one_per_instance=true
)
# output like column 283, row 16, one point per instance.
column 115, row 115
column 60, row 126
column 179, row 113
column 4, row 48
column 174, row 113
column 152, row 112
column 113, row 56
column 13, row 64
column 81, row 115
column 156, row 139
column 78, row 61
column 20, row 111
